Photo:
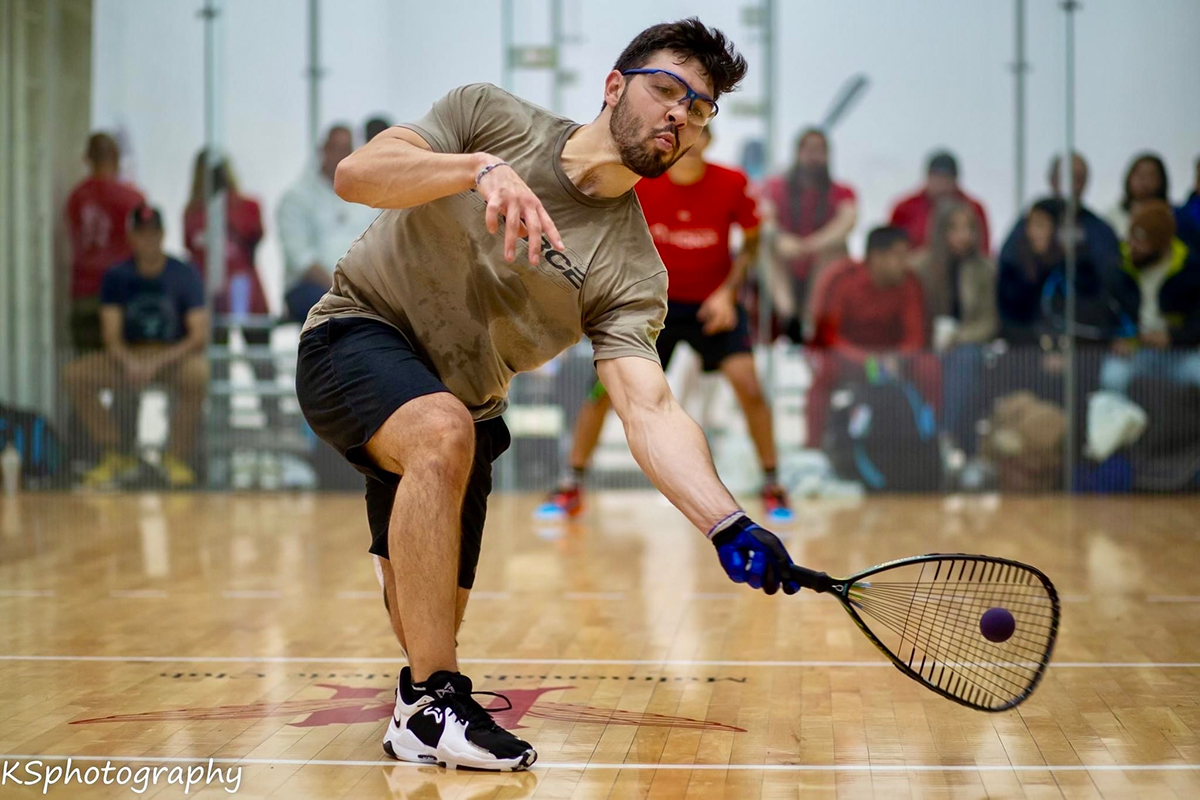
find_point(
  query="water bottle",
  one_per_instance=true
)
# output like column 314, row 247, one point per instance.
column 10, row 466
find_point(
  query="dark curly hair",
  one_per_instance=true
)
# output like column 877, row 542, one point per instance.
column 690, row 38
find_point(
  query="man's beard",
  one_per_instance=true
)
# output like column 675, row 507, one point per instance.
column 639, row 154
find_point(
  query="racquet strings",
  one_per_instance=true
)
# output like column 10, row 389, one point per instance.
column 927, row 614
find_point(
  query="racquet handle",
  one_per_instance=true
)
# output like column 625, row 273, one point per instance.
column 811, row 579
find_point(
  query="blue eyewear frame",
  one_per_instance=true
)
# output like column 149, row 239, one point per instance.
column 691, row 96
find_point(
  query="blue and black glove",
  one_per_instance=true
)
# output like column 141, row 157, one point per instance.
column 753, row 555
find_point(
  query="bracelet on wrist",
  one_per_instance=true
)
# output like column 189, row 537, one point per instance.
column 487, row 169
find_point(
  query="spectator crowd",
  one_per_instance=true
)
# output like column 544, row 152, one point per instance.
column 140, row 316
column 936, row 317
column 933, row 319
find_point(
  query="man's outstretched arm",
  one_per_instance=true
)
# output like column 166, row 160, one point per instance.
column 671, row 449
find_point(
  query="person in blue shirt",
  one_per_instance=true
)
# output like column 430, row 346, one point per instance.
column 1187, row 216
column 154, row 327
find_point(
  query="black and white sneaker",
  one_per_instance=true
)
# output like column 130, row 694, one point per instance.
column 440, row 723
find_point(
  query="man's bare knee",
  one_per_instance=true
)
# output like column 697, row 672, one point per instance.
column 86, row 372
column 433, row 432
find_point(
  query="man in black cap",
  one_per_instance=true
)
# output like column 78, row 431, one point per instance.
column 154, row 327
column 915, row 212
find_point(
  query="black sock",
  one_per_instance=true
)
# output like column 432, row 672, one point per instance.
column 572, row 477
column 770, row 478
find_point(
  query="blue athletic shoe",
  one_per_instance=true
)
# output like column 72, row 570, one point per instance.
column 566, row 501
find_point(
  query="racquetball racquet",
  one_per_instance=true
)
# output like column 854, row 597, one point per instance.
column 927, row 615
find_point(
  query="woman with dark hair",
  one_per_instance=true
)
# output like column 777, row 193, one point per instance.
column 241, row 291
column 1031, row 291
column 959, row 279
column 1146, row 179
column 814, row 216
column 1031, row 286
column 960, row 296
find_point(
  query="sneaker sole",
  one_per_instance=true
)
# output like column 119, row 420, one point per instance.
column 525, row 761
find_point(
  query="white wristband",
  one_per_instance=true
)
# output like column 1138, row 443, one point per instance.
column 726, row 522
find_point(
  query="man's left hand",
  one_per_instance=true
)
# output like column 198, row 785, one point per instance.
column 755, row 556
column 718, row 312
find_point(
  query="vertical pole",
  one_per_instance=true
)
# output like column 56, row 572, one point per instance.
column 314, row 73
column 1020, row 67
column 214, row 196
column 771, row 80
column 43, row 283
column 1070, row 388
column 556, row 37
column 764, row 259
column 8, row 202
column 22, row 214
column 506, row 45
column 505, row 472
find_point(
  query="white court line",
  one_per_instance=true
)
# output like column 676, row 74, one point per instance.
column 252, row 594
column 375, row 595
column 138, row 593
column 1176, row 598
column 593, row 595
column 563, row 662
column 26, row 593
column 583, row 765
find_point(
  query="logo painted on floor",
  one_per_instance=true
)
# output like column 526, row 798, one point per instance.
column 354, row 704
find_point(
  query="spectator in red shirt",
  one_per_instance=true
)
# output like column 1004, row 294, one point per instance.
column 915, row 213
column 874, row 310
column 97, row 212
column 814, row 216
column 690, row 211
column 241, row 291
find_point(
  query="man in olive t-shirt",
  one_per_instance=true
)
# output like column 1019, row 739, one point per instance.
column 507, row 233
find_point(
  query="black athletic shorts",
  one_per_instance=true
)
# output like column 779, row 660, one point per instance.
column 683, row 326
column 351, row 375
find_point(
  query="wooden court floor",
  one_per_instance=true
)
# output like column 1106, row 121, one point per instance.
column 165, row 630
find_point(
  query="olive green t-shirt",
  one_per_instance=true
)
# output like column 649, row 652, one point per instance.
column 435, row 273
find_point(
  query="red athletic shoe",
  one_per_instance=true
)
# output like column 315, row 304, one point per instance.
column 775, row 503
column 566, row 501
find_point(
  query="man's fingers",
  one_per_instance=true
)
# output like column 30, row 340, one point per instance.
column 512, row 230
column 492, row 216
column 533, row 230
column 549, row 229
column 771, row 580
